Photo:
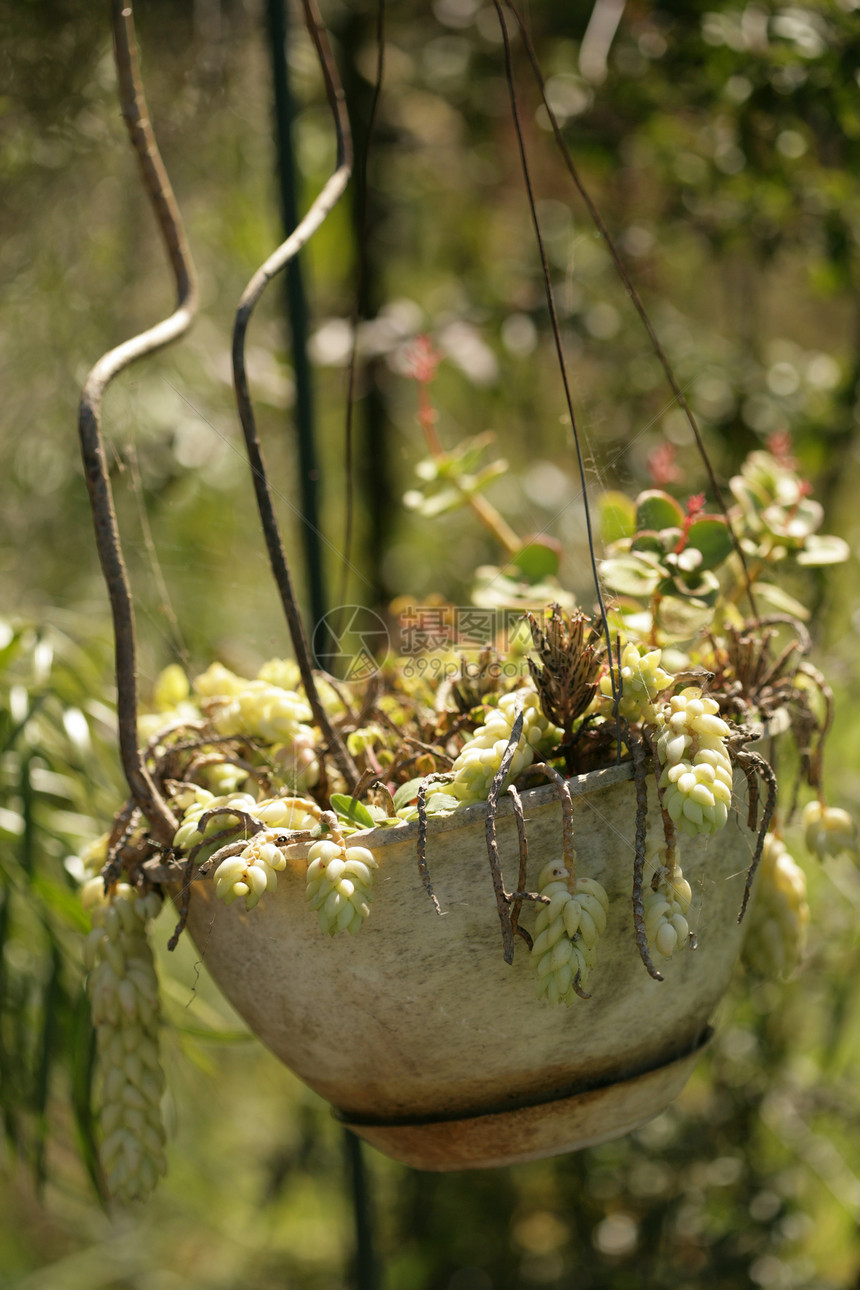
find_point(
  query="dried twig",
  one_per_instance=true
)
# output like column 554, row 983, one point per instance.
column 325, row 201
column 752, row 795
column 184, row 904
column 517, row 897
column 422, row 846
column 640, row 767
column 765, row 770
column 566, row 820
column 492, row 845
column 157, row 185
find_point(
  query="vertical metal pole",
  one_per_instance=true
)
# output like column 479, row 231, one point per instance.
column 297, row 313
column 365, row 1271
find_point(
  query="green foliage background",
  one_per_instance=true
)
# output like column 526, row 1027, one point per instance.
column 724, row 148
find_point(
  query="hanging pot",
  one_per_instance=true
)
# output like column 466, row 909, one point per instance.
column 426, row 1042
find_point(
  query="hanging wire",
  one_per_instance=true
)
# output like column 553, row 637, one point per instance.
column 327, row 198
column 158, row 189
column 556, row 331
column 636, row 299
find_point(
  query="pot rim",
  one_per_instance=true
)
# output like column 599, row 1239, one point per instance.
column 543, row 795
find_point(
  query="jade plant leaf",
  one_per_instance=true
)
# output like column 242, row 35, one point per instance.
column 711, row 536
column 823, row 548
column 682, row 619
column 631, row 575
column 657, row 543
column 539, row 558
column 796, row 522
column 617, row 517
column 657, row 510
column 781, row 601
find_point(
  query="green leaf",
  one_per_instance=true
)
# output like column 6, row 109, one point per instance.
column 538, row 559
column 781, row 601
column 436, row 503
column 617, row 517
column 83, row 1049
column 795, row 523
column 682, row 619
column 698, row 586
column 474, row 483
column 349, row 808
column 406, row 792
column 494, row 589
column 823, row 548
column 630, row 575
column 711, row 536
column 657, row 510
column 649, row 540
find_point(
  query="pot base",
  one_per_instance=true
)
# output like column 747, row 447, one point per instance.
column 496, row 1138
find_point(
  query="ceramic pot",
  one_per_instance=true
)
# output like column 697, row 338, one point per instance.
column 426, row 1042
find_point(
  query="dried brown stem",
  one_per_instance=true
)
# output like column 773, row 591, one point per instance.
column 566, row 821
column 765, row 770
column 157, row 185
column 277, row 261
column 492, row 845
column 640, row 768
column 422, row 846
column 519, row 895
column 184, row 904
column 752, row 796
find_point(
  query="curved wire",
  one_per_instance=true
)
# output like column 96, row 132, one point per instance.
column 161, row 197
column 327, row 198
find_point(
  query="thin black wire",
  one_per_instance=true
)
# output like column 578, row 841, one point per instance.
column 556, row 331
column 635, row 298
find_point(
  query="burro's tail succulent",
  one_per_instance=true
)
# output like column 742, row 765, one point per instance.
column 123, row 991
column 567, row 931
column 779, row 916
column 666, row 902
column 696, row 773
column 339, row 885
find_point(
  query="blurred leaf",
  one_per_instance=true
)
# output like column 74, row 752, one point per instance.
column 823, row 548
column 711, row 536
column 538, row 559
column 83, row 1054
column 617, row 517
column 781, row 601
column 657, row 510
column 49, row 1043
column 683, row 619
column 406, row 792
column 630, row 576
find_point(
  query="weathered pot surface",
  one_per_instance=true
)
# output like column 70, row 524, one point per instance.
column 433, row 1048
